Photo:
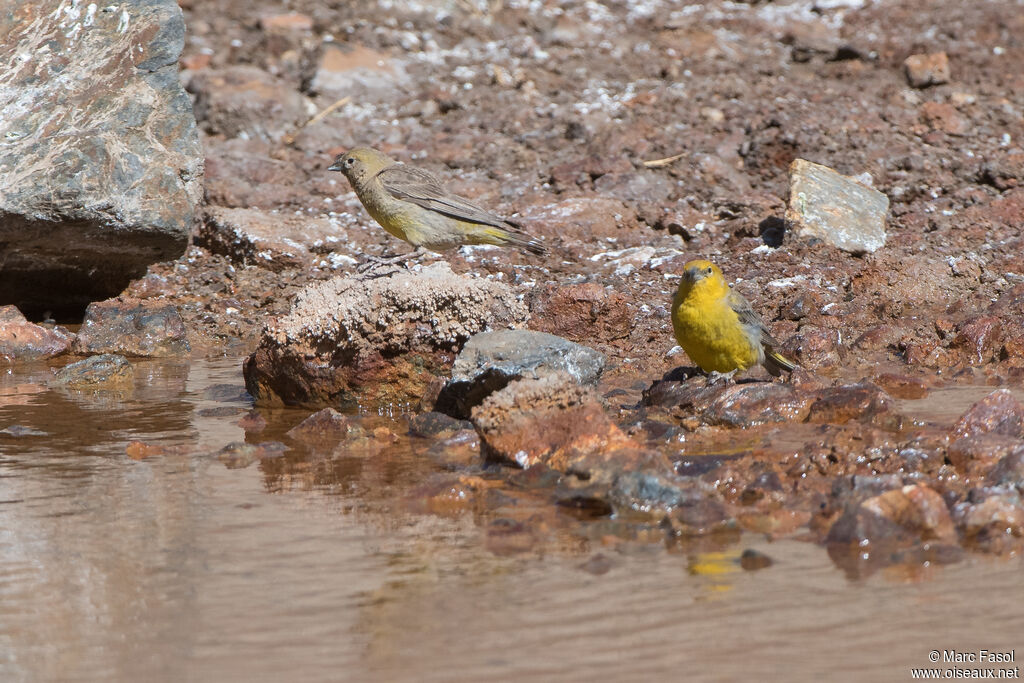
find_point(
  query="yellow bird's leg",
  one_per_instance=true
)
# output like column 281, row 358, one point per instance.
column 716, row 377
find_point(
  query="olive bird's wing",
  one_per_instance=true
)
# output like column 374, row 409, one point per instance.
column 423, row 189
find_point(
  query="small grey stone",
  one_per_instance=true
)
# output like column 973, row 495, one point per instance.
column 490, row 360
column 837, row 209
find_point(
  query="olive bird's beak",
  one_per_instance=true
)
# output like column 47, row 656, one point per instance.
column 336, row 166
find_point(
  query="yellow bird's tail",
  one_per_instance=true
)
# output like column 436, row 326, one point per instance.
column 775, row 363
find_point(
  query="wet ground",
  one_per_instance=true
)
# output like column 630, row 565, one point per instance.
column 182, row 562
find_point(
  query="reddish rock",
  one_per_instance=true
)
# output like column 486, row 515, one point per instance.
column 138, row 450
column 245, row 101
column 252, row 422
column 448, row 495
column 750, row 404
column 270, row 240
column 359, row 72
column 944, row 117
column 903, row 516
column 579, row 220
column 734, row 405
column 374, row 342
column 510, row 537
column 923, row 70
column 551, row 420
column 992, row 520
column 436, row 425
column 752, row 560
column 1010, row 302
column 801, row 305
column 980, row 337
column 583, row 172
column 998, row 413
column 927, row 353
column 1009, row 471
column 815, row 347
column 286, row 22
column 327, row 427
column 1004, row 171
column 22, row 341
column 196, row 61
column 981, row 451
column 862, row 402
column 132, row 327
column 902, row 386
column 808, row 39
column 242, row 173
column 460, row 450
column 1013, row 340
column 705, row 516
column 239, row 455
column 584, row 313
column 676, row 390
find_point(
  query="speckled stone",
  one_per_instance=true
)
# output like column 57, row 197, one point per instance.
column 836, row 209
column 100, row 163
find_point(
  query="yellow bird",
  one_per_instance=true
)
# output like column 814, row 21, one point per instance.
column 717, row 328
column 412, row 205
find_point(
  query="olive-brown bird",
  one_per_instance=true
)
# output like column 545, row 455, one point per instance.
column 412, row 205
column 717, row 327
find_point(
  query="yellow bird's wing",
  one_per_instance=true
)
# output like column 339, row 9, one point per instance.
column 774, row 362
column 749, row 318
column 423, row 189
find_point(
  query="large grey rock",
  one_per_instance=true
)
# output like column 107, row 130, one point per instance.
column 491, row 360
column 837, row 209
column 100, row 162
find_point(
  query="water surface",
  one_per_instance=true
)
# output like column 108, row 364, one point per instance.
column 311, row 567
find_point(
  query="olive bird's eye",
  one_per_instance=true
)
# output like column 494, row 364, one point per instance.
column 349, row 162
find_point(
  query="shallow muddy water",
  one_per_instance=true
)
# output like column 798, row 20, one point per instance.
column 189, row 565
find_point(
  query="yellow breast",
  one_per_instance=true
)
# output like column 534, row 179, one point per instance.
column 711, row 333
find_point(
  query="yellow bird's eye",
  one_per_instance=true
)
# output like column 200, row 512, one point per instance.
column 708, row 270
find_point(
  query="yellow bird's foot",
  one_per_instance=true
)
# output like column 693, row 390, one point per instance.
column 715, row 377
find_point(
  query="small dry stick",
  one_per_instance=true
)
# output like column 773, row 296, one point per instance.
column 659, row 163
column 290, row 138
